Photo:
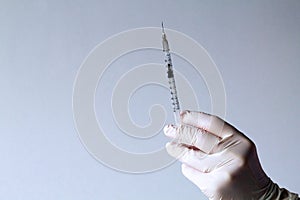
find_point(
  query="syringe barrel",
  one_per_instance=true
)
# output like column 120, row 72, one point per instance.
column 177, row 117
column 172, row 86
column 174, row 96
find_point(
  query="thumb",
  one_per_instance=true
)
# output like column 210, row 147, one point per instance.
column 200, row 179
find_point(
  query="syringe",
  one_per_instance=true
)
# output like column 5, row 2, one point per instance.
column 170, row 75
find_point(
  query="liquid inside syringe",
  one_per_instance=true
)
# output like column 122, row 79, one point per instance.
column 171, row 77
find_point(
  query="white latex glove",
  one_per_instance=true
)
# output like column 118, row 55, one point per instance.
column 220, row 160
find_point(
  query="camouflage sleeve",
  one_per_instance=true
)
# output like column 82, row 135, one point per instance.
column 277, row 193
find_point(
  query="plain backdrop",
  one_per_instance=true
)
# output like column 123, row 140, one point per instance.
column 255, row 44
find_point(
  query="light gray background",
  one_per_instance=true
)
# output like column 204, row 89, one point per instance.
column 255, row 45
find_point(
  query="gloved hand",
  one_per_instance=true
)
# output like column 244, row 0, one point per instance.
column 220, row 160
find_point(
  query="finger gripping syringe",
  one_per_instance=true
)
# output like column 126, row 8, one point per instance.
column 170, row 75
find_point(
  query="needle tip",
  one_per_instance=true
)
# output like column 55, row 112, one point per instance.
column 162, row 27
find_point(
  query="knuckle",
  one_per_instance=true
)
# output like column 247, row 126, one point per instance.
column 241, row 162
column 249, row 145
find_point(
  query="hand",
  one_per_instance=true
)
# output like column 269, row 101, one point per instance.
column 220, row 160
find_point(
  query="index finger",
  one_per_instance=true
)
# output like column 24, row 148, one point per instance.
column 192, row 137
column 207, row 122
